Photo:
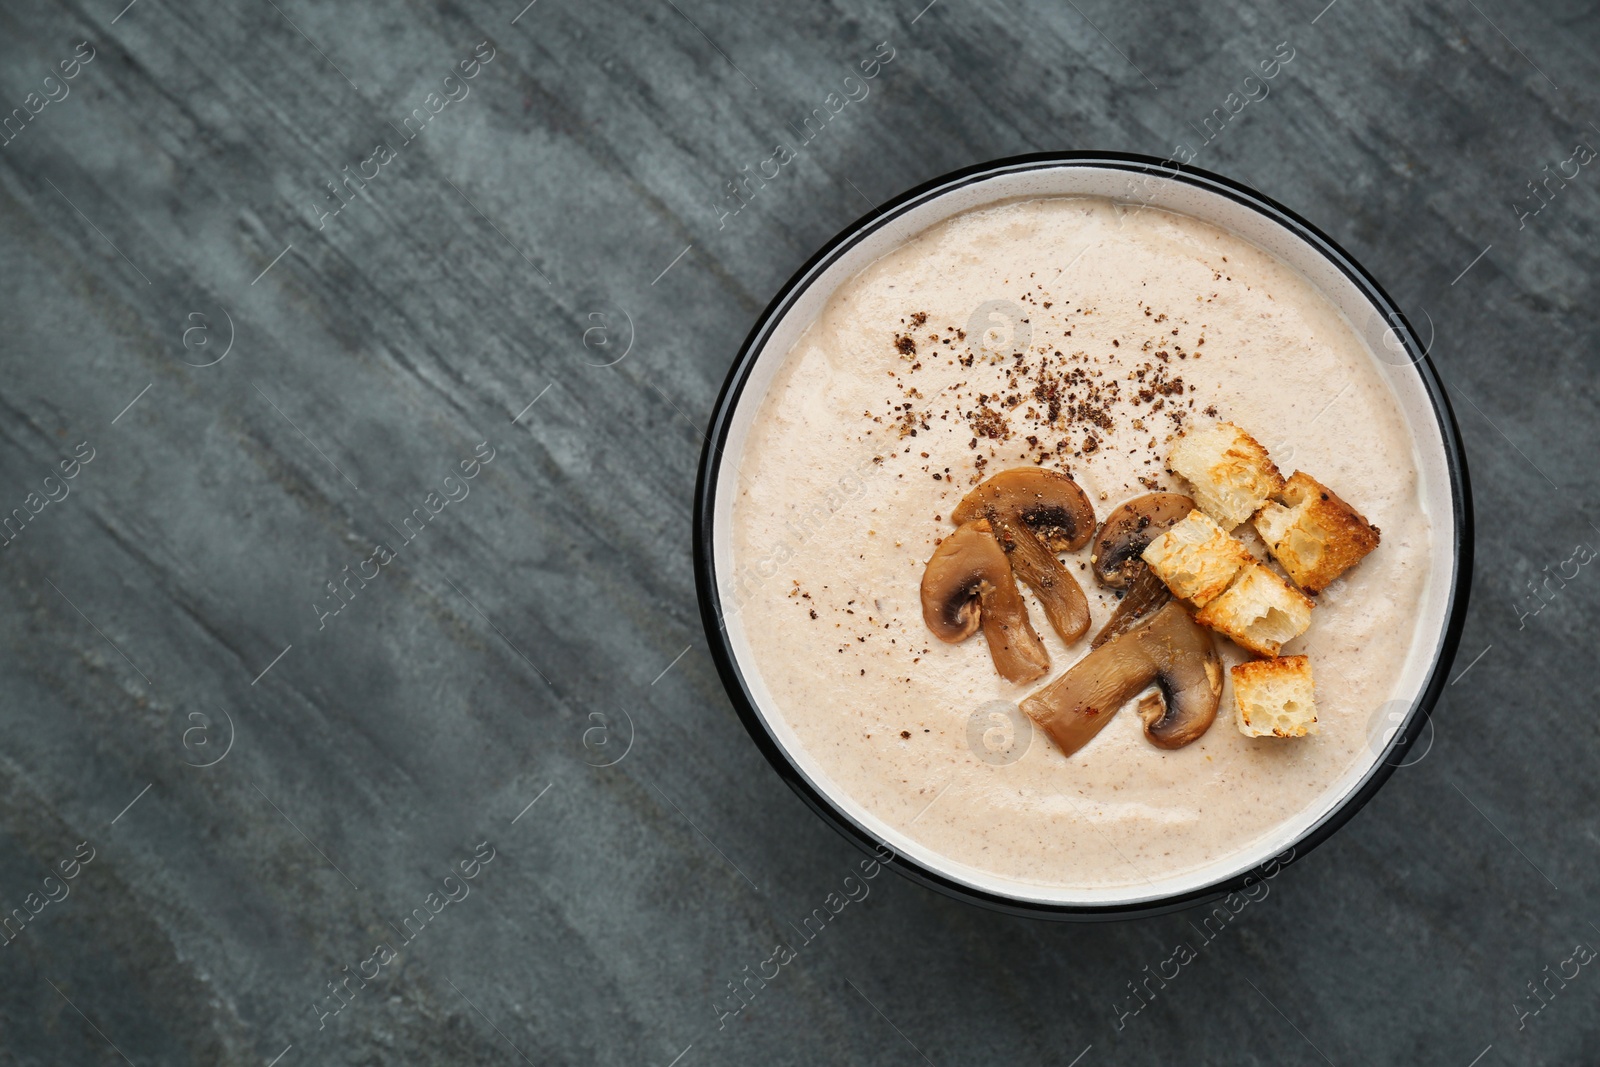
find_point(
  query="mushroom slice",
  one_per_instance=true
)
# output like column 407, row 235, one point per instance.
column 967, row 584
column 1171, row 650
column 1051, row 503
column 1036, row 513
column 1128, row 529
column 1144, row 598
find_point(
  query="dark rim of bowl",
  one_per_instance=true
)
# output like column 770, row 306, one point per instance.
column 732, row 392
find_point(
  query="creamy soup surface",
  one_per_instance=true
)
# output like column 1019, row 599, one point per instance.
column 1081, row 334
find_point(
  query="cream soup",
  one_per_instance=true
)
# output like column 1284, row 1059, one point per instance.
column 1080, row 334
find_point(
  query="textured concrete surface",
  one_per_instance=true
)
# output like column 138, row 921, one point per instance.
column 265, row 790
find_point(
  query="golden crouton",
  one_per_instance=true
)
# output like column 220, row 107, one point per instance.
column 1196, row 558
column 1259, row 611
column 1230, row 472
column 1312, row 533
column 1274, row 697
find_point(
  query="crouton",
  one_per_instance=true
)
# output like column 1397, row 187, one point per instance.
column 1196, row 558
column 1315, row 535
column 1259, row 611
column 1274, row 697
column 1231, row 474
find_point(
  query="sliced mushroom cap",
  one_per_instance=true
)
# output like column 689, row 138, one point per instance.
column 1053, row 505
column 1128, row 529
column 1036, row 513
column 1190, row 681
column 1171, row 650
column 968, row 583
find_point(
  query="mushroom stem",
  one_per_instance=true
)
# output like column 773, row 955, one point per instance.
column 1144, row 598
column 1059, row 593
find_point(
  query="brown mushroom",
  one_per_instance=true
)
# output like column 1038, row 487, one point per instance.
column 1036, row 513
column 1128, row 529
column 1143, row 599
column 1117, row 563
column 968, row 583
column 1171, row 650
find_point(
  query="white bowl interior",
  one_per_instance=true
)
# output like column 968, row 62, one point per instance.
column 1171, row 194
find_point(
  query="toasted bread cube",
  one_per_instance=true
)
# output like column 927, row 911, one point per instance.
column 1196, row 558
column 1259, row 611
column 1231, row 473
column 1315, row 535
column 1274, row 697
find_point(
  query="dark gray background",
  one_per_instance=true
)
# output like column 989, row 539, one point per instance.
column 378, row 351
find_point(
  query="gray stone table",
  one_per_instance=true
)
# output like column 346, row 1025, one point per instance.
column 253, row 378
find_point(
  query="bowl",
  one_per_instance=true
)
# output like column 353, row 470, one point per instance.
column 1399, row 357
